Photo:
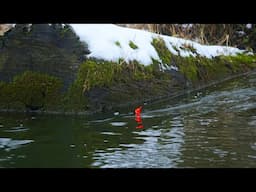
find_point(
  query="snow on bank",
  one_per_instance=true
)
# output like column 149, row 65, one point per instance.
column 111, row 42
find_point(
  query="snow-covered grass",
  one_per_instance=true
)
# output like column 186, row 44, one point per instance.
column 111, row 42
column 101, row 40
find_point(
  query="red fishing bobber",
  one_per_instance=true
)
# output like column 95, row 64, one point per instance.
column 138, row 110
column 140, row 126
column 138, row 119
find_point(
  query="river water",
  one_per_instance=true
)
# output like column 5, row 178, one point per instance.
column 214, row 127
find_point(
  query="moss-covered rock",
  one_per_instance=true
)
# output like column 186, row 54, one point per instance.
column 102, row 85
column 97, row 85
column 51, row 49
column 198, row 70
column 32, row 91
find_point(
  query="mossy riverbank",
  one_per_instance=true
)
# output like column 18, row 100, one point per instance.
column 105, row 86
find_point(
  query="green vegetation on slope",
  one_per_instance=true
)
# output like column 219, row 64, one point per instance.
column 31, row 90
column 95, row 74
column 100, row 82
column 199, row 68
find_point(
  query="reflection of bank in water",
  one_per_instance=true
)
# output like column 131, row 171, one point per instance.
column 138, row 117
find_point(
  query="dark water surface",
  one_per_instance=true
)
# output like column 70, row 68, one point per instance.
column 215, row 127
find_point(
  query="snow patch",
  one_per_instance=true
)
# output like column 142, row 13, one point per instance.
column 174, row 68
column 102, row 38
column 248, row 26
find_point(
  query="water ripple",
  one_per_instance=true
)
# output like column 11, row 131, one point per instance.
column 118, row 124
column 17, row 129
column 9, row 144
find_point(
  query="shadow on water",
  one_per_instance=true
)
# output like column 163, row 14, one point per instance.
column 214, row 127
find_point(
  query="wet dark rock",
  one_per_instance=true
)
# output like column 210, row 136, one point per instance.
column 51, row 49
column 33, row 108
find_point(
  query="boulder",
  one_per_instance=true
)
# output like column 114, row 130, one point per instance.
column 52, row 49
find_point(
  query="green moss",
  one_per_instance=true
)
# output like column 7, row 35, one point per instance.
column 96, row 74
column 242, row 59
column 163, row 52
column 74, row 99
column 214, row 69
column 36, row 89
column 117, row 43
column 31, row 90
column 8, row 97
column 91, row 74
column 199, row 68
column 203, row 69
column 189, row 69
column 141, row 72
column 133, row 45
